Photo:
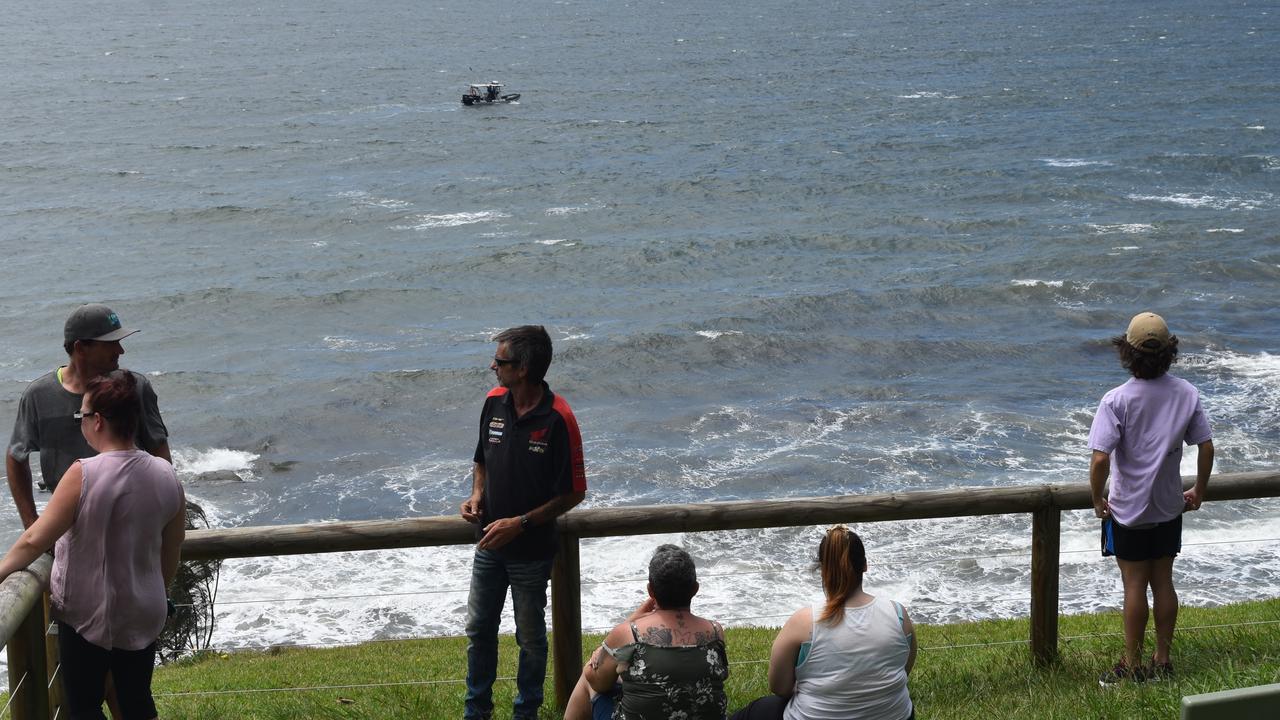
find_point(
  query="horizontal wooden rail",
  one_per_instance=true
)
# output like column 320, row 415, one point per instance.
column 1043, row 502
column 22, row 632
column 700, row 517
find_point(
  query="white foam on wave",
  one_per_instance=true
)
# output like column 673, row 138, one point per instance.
column 346, row 344
column 1127, row 248
column 1225, row 230
column 1189, row 200
column 1241, row 395
column 364, row 199
column 1074, row 162
column 1122, row 228
column 428, row 222
column 1255, row 127
column 713, row 334
column 755, row 440
column 1037, row 283
column 571, row 209
column 190, row 461
column 556, row 241
column 928, row 95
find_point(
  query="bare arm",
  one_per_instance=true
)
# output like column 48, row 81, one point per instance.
column 602, row 671
column 175, row 531
column 786, row 651
column 1204, row 467
column 58, row 517
column 20, row 487
column 909, row 628
column 1099, row 471
column 504, row 530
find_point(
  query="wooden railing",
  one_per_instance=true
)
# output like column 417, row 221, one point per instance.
column 23, row 623
column 1044, row 503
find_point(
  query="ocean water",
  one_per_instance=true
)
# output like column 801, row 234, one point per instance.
column 784, row 249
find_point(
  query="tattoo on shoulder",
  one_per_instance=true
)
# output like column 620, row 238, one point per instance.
column 702, row 637
column 657, row 635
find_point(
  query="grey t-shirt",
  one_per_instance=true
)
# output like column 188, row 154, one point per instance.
column 45, row 425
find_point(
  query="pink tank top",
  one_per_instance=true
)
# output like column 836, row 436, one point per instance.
column 106, row 581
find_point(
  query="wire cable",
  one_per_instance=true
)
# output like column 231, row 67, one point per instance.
column 13, row 694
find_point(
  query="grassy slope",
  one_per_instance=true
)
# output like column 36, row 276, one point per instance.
column 996, row 681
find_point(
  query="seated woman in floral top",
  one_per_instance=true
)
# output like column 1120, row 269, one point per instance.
column 664, row 662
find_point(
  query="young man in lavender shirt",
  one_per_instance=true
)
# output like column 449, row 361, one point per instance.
column 1138, row 432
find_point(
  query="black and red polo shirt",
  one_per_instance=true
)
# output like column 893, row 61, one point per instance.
column 528, row 461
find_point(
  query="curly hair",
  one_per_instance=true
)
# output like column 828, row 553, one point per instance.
column 1146, row 365
column 673, row 579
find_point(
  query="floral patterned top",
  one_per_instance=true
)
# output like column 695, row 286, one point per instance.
column 683, row 682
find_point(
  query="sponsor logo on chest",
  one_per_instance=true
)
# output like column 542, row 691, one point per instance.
column 538, row 440
column 496, row 424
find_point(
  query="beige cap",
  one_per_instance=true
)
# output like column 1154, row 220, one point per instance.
column 1147, row 333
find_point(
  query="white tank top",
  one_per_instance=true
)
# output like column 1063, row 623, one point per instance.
column 854, row 669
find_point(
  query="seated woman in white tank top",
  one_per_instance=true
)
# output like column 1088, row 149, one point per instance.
column 847, row 659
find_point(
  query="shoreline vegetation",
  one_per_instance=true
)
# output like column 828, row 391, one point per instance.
column 979, row 670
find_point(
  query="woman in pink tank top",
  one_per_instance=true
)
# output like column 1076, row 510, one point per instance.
column 118, row 519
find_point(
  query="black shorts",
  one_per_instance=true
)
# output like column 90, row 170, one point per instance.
column 84, row 675
column 1161, row 540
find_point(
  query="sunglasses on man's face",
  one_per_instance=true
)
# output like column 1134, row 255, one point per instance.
column 82, row 415
column 503, row 361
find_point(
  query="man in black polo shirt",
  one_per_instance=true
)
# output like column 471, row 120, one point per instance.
column 528, row 472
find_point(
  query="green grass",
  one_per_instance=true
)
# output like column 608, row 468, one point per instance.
column 1215, row 649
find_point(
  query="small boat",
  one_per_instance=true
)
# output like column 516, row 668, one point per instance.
column 487, row 94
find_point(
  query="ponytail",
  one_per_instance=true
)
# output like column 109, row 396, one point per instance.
column 841, row 559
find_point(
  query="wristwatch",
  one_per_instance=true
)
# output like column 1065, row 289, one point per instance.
column 524, row 522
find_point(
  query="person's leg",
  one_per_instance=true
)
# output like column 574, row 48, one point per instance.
column 769, row 707
column 579, row 705
column 1165, row 601
column 1136, row 575
column 113, row 703
column 84, row 671
column 529, row 601
column 131, row 671
column 484, row 610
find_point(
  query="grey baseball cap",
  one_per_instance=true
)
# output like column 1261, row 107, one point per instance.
column 94, row 322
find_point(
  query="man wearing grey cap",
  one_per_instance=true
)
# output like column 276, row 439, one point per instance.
column 46, row 422
column 1136, row 439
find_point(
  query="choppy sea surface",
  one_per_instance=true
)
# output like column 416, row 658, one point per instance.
column 784, row 249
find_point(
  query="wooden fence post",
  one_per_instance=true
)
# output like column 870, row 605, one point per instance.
column 52, row 659
column 26, row 657
column 566, row 618
column 1046, row 538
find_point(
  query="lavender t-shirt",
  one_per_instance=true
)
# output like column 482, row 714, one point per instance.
column 1142, row 425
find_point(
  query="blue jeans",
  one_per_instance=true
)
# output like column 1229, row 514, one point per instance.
column 491, row 575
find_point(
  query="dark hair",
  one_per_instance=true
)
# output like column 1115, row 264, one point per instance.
column 842, row 559
column 673, row 579
column 530, row 347
column 115, row 395
column 1146, row 365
